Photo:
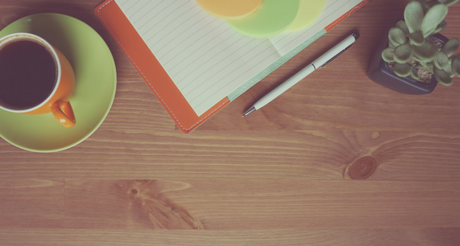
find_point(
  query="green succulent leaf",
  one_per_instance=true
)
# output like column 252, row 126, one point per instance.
column 402, row 25
column 442, row 77
column 403, row 53
column 396, row 36
column 391, row 44
column 440, row 27
column 450, row 47
column 417, row 38
column 416, row 58
column 427, row 52
column 413, row 15
column 448, row 2
column 456, row 66
column 430, row 66
column 414, row 73
column 388, row 55
column 449, row 71
column 441, row 60
column 402, row 69
column 426, row 60
column 433, row 18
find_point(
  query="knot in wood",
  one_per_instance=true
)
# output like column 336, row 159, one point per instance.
column 362, row 168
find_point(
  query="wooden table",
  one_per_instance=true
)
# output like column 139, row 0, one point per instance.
column 337, row 160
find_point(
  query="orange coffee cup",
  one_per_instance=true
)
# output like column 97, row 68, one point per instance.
column 35, row 78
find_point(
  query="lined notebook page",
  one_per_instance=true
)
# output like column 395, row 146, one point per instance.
column 204, row 57
column 333, row 9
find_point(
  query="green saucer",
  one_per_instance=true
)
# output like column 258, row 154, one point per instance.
column 94, row 93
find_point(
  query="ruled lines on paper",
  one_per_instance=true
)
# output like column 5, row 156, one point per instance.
column 204, row 57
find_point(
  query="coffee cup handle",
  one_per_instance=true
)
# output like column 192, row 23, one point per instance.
column 63, row 112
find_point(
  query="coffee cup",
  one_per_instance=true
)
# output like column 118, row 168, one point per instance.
column 35, row 78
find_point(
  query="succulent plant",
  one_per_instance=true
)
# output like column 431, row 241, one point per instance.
column 411, row 48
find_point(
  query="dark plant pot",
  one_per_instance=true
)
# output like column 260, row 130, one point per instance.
column 380, row 72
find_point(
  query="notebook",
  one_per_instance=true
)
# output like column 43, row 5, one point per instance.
column 195, row 63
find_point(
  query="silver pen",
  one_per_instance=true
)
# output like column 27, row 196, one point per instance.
column 318, row 63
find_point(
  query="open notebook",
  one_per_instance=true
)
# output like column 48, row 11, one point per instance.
column 195, row 63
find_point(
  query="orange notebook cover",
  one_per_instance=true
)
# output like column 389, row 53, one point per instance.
column 129, row 39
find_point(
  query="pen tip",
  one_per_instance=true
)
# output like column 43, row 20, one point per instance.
column 252, row 109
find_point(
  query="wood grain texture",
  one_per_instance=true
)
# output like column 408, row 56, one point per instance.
column 288, row 237
column 228, row 204
column 286, row 175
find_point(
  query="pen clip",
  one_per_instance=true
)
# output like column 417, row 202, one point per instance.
column 336, row 56
column 355, row 36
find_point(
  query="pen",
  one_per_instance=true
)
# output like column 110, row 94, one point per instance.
column 318, row 63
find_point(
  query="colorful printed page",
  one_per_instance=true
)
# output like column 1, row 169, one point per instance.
column 333, row 9
column 206, row 59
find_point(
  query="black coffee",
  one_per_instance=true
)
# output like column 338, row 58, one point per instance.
column 27, row 74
